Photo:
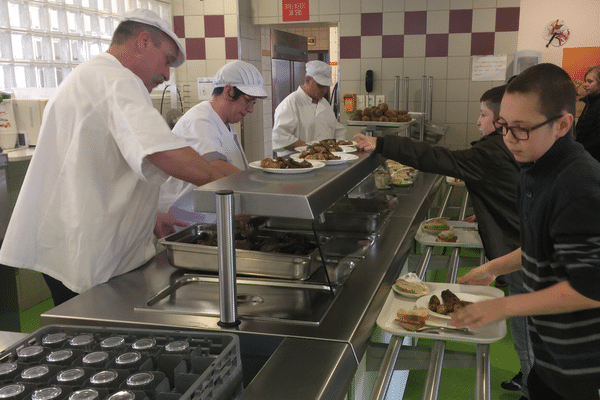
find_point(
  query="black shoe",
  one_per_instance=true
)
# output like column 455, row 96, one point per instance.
column 514, row 384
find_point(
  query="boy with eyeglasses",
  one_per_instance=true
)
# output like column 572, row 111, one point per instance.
column 558, row 201
column 491, row 175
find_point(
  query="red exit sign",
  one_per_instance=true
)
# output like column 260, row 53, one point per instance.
column 294, row 10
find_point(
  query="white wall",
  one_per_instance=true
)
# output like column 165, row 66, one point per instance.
column 581, row 16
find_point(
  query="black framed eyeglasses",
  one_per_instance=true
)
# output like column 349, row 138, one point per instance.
column 518, row 132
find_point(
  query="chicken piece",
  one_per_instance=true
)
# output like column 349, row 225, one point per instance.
column 434, row 303
column 449, row 298
column 269, row 163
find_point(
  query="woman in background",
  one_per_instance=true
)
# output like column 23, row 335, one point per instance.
column 587, row 130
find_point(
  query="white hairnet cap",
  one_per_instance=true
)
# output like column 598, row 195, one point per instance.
column 149, row 17
column 320, row 72
column 243, row 76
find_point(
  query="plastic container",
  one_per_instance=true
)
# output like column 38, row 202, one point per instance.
column 209, row 367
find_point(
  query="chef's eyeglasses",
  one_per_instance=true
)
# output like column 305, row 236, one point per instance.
column 518, row 132
column 250, row 101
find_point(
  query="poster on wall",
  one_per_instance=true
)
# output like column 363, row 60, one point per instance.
column 489, row 68
column 576, row 61
column 294, row 10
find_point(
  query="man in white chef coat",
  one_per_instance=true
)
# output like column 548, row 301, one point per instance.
column 208, row 128
column 87, row 207
column 305, row 116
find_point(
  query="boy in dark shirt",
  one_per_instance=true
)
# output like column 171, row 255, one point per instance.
column 559, row 208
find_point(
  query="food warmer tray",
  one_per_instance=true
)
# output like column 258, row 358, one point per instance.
column 184, row 252
column 207, row 366
column 486, row 334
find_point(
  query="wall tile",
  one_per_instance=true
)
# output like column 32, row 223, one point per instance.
column 392, row 5
column 505, row 42
column 392, row 46
column 179, row 26
column 455, row 136
column 415, row 22
column 214, row 26
column 414, row 68
column 194, row 26
column 231, row 26
column 370, row 6
column 457, row 92
column 460, row 21
column 508, row 3
column 350, row 47
column 414, row 45
column 507, row 19
column 329, row 7
column 177, row 6
column 230, row 7
column 476, row 90
column 484, row 20
column 231, row 48
column 393, row 23
column 371, row 24
column 215, row 48
column 438, row 111
column 195, row 49
column 440, row 87
column 350, row 70
column 193, row 7
column 351, row 7
column 461, row 4
column 438, row 5
column 484, row 3
column 438, row 21
column 436, row 67
column 270, row 8
column 349, row 24
column 482, row 44
column 459, row 44
column 391, row 67
column 213, row 7
column 415, row 5
column 436, row 45
column 459, row 67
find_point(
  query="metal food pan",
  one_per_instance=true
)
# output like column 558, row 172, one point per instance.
column 184, row 252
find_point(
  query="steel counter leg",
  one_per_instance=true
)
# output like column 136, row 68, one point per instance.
column 482, row 373
column 387, row 368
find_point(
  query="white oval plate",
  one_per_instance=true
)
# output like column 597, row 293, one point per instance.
column 344, row 158
column 345, row 149
column 288, row 171
column 423, row 301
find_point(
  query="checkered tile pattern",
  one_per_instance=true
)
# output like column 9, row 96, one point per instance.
column 436, row 44
column 214, row 27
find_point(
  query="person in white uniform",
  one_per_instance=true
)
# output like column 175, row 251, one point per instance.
column 208, row 128
column 305, row 116
column 88, row 204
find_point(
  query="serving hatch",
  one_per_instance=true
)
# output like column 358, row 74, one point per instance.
column 183, row 251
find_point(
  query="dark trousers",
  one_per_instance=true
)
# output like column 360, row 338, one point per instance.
column 562, row 388
column 60, row 293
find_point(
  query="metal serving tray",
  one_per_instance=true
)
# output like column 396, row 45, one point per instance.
column 183, row 252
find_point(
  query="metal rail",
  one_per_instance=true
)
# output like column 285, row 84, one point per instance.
column 432, row 381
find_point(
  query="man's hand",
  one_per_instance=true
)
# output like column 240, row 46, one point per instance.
column 365, row 143
column 165, row 225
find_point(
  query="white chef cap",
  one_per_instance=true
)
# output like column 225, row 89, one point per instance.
column 320, row 72
column 149, row 17
column 243, row 76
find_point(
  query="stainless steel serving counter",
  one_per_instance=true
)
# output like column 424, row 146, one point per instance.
column 299, row 361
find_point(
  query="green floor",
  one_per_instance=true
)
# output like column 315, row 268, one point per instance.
column 455, row 384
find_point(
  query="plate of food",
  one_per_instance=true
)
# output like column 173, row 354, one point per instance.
column 410, row 285
column 443, row 302
column 454, row 181
column 327, row 158
column 275, row 167
column 458, row 234
column 436, row 225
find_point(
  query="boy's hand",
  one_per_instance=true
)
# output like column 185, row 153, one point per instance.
column 365, row 143
column 477, row 276
column 472, row 218
column 478, row 314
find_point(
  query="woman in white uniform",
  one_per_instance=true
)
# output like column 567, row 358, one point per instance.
column 208, row 128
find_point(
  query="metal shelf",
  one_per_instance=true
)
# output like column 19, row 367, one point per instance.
column 304, row 196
